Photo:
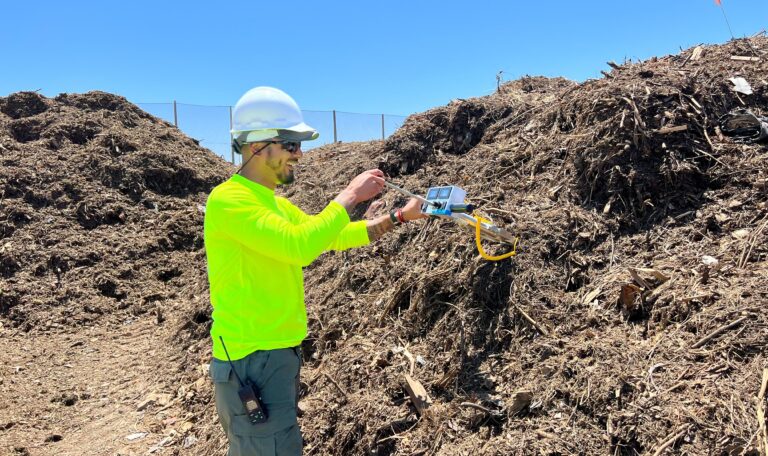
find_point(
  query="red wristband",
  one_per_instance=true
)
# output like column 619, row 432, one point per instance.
column 400, row 216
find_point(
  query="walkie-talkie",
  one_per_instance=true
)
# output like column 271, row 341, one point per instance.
column 249, row 395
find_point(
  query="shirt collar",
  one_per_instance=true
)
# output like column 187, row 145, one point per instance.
column 253, row 186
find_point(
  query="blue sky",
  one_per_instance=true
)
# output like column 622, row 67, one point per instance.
column 394, row 57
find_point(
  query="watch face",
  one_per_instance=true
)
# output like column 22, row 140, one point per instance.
column 444, row 193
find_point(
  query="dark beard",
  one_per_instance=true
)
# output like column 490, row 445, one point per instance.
column 286, row 179
column 282, row 178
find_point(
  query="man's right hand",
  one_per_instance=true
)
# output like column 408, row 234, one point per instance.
column 363, row 187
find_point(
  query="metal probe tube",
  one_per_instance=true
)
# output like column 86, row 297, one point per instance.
column 409, row 194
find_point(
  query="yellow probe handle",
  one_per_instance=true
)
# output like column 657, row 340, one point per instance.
column 482, row 251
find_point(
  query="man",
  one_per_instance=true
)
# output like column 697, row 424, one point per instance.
column 256, row 244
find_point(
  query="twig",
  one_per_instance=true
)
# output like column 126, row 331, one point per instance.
column 341, row 390
column 668, row 130
column 638, row 118
column 718, row 331
column 497, row 210
column 533, row 323
column 761, row 412
column 398, row 435
column 706, row 136
column 674, row 387
column 750, row 243
column 477, row 407
column 462, row 355
column 672, row 440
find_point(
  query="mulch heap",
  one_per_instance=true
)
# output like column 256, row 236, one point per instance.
column 631, row 321
column 101, row 211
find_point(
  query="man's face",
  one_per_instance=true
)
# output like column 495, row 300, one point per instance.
column 281, row 162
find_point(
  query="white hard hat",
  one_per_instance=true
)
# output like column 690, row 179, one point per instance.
column 265, row 113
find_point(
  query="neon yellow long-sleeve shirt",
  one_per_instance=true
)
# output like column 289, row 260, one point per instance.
column 256, row 244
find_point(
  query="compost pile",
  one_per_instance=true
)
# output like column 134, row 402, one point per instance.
column 102, row 208
column 101, row 252
column 632, row 318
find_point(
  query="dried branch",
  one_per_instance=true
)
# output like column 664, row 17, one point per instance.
column 703, row 341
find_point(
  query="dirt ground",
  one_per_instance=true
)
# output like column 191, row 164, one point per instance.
column 630, row 322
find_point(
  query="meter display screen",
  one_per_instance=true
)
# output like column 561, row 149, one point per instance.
column 432, row 193
column 444, row 193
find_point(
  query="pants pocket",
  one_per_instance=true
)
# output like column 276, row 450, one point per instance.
column 219, row 371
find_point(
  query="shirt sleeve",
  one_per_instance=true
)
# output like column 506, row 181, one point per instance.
column 247, row 220
column 354, row 234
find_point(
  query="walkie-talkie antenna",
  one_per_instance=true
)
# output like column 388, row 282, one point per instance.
column 230, row 362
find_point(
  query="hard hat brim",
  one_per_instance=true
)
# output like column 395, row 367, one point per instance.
column 298, row 132
column 301, row 132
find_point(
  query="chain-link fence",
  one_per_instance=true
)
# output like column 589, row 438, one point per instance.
column 211, row 124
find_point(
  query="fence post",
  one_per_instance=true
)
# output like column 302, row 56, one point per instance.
column 382, row 127
column 232, row 151
column 175, row 117
column 334, row 127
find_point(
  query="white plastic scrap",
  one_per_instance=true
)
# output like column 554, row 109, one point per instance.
column 741, row 85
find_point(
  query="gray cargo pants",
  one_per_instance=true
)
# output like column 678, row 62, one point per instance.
column 276, row 374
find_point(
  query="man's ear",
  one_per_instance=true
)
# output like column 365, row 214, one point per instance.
column 249, row 148
column 255, row 148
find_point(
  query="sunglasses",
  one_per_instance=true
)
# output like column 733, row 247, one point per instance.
column 290, row 146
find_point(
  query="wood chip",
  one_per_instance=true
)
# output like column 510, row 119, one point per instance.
column 744, row 58
column 418, row 394
column 520, row 400
column 697, row 53
column 591, row 295
column 628, row 294
column 639, row 280
column 660, row 276
column 740, row 234
column 135, row 436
